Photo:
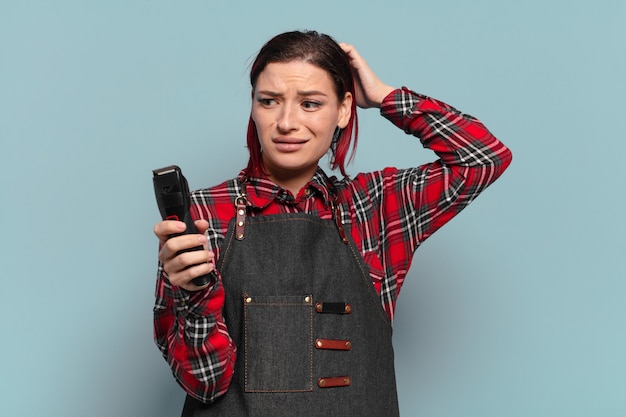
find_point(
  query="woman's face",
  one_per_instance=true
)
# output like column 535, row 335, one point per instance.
column 296, row 111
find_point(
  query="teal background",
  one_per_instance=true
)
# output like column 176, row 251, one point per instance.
column 516, row 308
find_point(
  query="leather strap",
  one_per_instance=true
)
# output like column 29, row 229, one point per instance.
column 333, row 308
column 333, row 344
column 240, row 220
column 334, row 381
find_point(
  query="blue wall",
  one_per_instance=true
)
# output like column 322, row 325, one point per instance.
column 516, row 308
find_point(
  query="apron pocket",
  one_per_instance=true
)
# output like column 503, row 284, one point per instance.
column 278, row 343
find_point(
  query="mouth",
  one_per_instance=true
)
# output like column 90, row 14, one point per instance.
column 287, row 144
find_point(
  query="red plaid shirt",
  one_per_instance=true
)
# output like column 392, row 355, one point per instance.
column 389, row 213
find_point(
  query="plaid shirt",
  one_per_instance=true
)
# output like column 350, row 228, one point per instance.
column 388, row 213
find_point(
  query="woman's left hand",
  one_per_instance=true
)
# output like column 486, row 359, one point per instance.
column 370, row 90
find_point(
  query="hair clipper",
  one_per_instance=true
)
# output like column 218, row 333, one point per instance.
column 172, row 195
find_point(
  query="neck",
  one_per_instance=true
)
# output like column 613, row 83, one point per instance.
column 293, row 185
column 290, row 181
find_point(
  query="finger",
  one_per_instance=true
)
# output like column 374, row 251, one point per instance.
column 201, row 226
column 185, row 277
column 164, row 229
column 197, row 271
column 185, row 260
column 347, row 48
column 171, row 247
column 356, row 59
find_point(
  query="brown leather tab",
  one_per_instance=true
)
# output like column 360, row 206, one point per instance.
column 333, row 344
column 333, row 308
column 336, row 210
column 334, row 381
column 240, row 218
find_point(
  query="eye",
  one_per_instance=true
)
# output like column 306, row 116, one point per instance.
column 266, row 101
column 311, row 105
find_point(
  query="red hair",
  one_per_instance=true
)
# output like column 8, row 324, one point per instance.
column 322, row 51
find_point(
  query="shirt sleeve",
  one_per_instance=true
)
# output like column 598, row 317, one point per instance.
column 398, row 209
column 470, row 159
column 190, row 332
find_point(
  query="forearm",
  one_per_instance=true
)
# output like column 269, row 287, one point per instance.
column 193, row 338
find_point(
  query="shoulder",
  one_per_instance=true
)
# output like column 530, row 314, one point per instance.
column 368, row 182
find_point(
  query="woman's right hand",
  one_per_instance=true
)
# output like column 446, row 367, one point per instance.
column 370, row 90
column 183, row 267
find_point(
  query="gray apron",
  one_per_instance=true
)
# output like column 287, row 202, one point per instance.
column 312, row 336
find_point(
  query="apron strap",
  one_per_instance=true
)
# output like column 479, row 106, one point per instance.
column 241, row 203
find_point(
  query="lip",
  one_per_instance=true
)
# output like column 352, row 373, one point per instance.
column 288, row 144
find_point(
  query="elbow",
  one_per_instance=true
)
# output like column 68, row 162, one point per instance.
column 496, row 161
column 482, row 175
column 504, row 159
column 507, row 158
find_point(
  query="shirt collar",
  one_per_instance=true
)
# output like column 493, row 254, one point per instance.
column 261, row 191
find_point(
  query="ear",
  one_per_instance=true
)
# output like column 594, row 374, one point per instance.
column 345, row 111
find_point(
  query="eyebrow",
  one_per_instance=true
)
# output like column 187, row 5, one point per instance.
column 300, row 93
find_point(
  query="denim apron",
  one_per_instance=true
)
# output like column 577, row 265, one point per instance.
column 312, row 336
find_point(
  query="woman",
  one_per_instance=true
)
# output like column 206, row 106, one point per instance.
column 310, row 266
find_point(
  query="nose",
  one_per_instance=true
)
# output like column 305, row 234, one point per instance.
column 288, row 118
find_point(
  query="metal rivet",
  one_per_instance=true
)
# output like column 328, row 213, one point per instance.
column 319, row 343
column 346, row 381
column 240, row 236
column 348, row 309
column 249, row 300
column 240, row 224
column 322, row 382
column 318, row 307
column 241, row 212
column 307, row 299
column 348, row 345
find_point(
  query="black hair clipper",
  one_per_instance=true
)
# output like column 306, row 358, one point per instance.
column 172, row 195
